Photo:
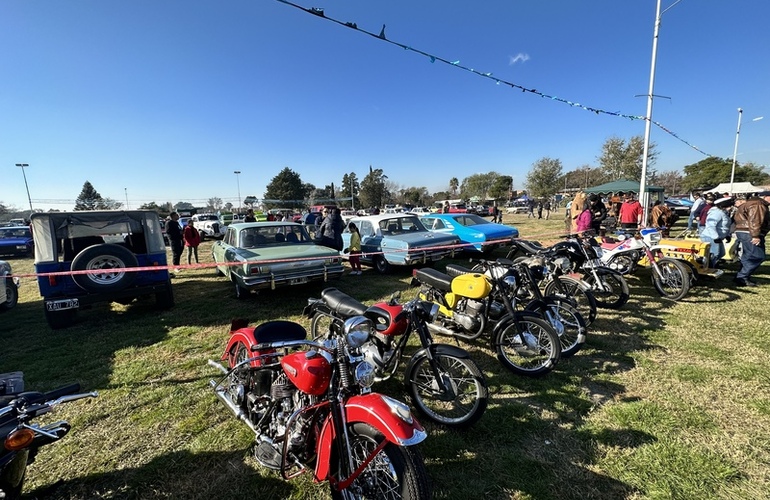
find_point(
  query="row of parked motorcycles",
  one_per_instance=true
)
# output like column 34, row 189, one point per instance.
column 308, row 396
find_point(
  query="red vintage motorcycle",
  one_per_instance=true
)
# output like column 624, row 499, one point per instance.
column 309, row 413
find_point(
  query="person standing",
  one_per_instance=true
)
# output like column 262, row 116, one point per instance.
column 630, row 212
column 355, row 250
column 584, row 221
column 717, row 229
column 446, row 207
column 598, row 212
column 547, row 207
column 174, row 232
column 192, row 238
column 496, row 215
column 540, row 209
column 695, row 210
column 752, row 223
column 250, row 216
column 708, row 204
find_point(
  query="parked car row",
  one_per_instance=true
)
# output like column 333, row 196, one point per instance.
column 16, row 241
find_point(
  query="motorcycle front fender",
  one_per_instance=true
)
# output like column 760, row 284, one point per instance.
column 390, row 417
column 12, row 473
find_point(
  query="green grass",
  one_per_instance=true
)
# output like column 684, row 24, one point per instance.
column 667, row 400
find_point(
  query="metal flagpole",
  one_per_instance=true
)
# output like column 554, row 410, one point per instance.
column 735, row 151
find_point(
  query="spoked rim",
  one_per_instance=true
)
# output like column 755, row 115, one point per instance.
column 452, row 399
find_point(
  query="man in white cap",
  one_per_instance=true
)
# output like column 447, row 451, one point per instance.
column 752, row 223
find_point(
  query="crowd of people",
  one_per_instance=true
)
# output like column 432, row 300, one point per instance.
column 717, row 218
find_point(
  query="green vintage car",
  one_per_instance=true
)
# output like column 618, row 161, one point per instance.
column 266, row 255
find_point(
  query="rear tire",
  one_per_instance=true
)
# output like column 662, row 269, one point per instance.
column 381, row 265
column 570, row 325
column 396, row 472
column 11, row 295
column 111, row 260
column 468, row 385
column 616, row 291
column 240, row 292
column 165, row 298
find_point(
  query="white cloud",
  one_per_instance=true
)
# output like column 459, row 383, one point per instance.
column 520, row 57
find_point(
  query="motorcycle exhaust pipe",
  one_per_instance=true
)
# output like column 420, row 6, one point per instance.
column 442, row 330
column 239, row 414
column 218, row 366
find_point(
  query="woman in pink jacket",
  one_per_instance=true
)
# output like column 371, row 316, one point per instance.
column 192, row 238
column 585, row 218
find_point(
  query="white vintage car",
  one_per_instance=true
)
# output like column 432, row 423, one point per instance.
column 209, row 226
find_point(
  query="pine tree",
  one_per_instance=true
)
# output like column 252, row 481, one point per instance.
column 89, row 198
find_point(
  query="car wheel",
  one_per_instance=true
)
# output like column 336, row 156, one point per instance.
column 108, row 263
column 381, row 265
column 11, row 295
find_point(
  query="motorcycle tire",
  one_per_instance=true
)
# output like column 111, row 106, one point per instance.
column 322, row 324
column 469, row 397
column 396, row 472
column 567, row 321
column 614, row 291
column 527, row 345
column 577, row 290
column 675, row 280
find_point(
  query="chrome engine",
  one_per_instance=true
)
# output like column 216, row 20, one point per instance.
column 468, row 314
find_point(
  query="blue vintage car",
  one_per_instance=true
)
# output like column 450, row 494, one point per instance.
column 479, row 234
column 399, row 239
column 16, row 240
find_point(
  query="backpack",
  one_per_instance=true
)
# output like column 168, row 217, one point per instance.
column 704, row 213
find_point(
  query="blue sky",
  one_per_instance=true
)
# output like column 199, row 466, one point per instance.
column 164, row 100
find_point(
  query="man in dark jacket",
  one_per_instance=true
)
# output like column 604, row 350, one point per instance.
column 598, row 211
column 174, row 232
column 752, row 223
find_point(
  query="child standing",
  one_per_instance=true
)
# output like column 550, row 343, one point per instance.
column 355, row 249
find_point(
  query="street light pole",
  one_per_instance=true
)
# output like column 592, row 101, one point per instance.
column 238, row 181
column 126, row 191
column 643, row 195
column 735, row 151
column 29, row 198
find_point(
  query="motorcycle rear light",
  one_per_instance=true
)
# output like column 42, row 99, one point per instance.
column 52, row 280
column 19, row 439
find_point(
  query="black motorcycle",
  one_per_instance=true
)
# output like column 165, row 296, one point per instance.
column 21, row 438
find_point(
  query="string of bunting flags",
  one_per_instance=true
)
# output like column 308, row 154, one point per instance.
column 319, row 12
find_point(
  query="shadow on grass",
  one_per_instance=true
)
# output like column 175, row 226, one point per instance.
column 179, row 474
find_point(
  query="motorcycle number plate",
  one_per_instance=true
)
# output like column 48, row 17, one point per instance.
column 60, row 305
column 298, row 281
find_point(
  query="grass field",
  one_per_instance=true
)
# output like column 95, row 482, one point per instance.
column 668, row 400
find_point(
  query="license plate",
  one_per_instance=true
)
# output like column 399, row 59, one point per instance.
column 60, row 305
column 298, row 281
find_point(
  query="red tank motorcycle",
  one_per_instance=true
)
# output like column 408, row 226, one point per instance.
column 309, row 413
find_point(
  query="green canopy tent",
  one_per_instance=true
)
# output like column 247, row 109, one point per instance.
column 622, row 185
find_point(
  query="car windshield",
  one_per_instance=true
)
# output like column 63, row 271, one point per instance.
column 399, row 225
column 15, row 232
column 470, row 220
column 272, row 235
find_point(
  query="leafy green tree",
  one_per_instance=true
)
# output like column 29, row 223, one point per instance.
column 670, row 181
column 373, row 189
column 349, row 187
column 184, row 206
column 583, row 177
column 214, row 204
column 414, row 196
column 543, row 178
column 501, row 188
column 478, row 185
column 109, row 204
column 623, row 160
column 713, row 170
column 285, row 190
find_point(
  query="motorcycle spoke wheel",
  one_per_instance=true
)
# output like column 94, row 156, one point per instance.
column 458, row 399
column 396, row 472
column 611, row 292
column 321, row 325
column 528, row 346
column 572, row 331
column 674, row 282
column 585, row 301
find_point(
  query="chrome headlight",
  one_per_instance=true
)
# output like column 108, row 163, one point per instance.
column 357, row 331
column 365, row 374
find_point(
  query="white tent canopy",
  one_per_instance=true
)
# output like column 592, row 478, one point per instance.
column 737, row 188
